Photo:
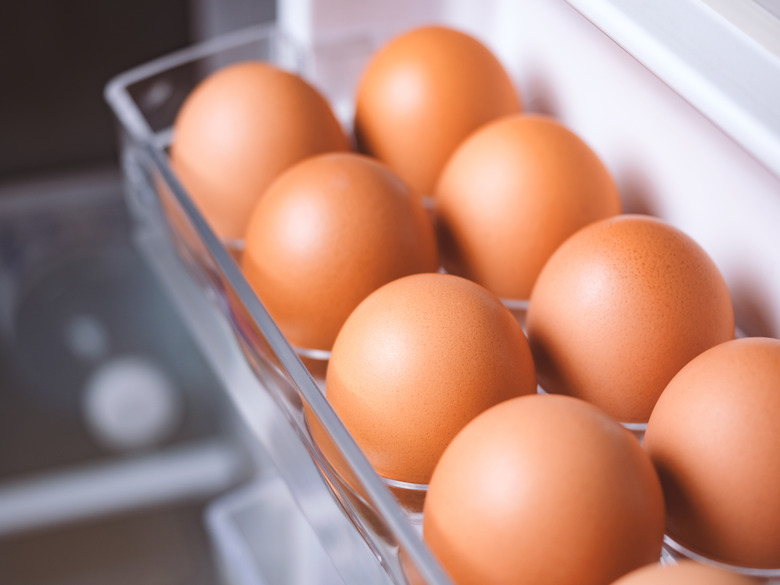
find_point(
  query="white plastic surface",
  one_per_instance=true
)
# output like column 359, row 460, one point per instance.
column 667, row 157
column 314, row 21
column 760, row 19
column 261, row 538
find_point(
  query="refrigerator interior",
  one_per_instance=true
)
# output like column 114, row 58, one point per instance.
column 217, row 485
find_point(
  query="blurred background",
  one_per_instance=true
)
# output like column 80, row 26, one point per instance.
column 58, row 57
column 94, row 489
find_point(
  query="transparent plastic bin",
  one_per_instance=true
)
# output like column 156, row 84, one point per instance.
column 261, row 538
column 358, row 523
column 381, row 544
column 674, row 552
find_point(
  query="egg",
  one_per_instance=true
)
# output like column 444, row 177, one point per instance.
column 543, row 490
column 238, row 130
column 684, row 573
column 619, row 308
column 422, row 94
column 714, row 439
column 325, row 234
column 418, row 359
column 511, row 193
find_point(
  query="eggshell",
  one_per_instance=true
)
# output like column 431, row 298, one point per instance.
column 418, row 359
column 328, row 232
column 422, row 94
column 684, row 573
column 511, row 194
column 619, row 308
column 241, row 127
column 714, row 439
column 543, row 490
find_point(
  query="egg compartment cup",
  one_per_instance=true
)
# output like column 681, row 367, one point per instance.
column 636, row 428
column 386, row 515
column 518, row 308
column 677, row 551
column 145, row 101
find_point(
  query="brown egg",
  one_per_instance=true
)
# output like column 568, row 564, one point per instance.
column 714, row 439
column 418, row 359
column 328, row 232
column 511, row 193
column 422, row 94
column 619, row 308
column 543, row 490
column 240, row 128
column 684, row 573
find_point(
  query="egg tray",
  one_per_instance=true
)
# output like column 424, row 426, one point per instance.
column 386, row 547
column 384, row 544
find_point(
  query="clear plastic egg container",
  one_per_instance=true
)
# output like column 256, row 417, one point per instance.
column 145, row 101
column 370, row 539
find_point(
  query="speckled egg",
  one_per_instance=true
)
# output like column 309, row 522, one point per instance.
column 328, row 232
column 543, row 490
column 238, row 130
column 418, row 359
column 619, row 308
column 714, row 439
column 511, row 193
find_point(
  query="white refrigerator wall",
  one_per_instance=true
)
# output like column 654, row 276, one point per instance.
column 667, row 158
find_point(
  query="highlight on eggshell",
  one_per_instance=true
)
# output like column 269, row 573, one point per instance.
column 422, row 93
column 714, row 439
column 543, row 490
column 628, row 320
column 511, row 193
column 418, row 359
column 619, row 308
column 327, row 233
column 238, row 130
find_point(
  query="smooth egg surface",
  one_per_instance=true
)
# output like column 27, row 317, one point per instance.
column 511, row 193
column 619, row 308
column 327, row 233
column 418, row 359
column 238, row 130
column 422, row 94
column 543, row 490
column 714, row 439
